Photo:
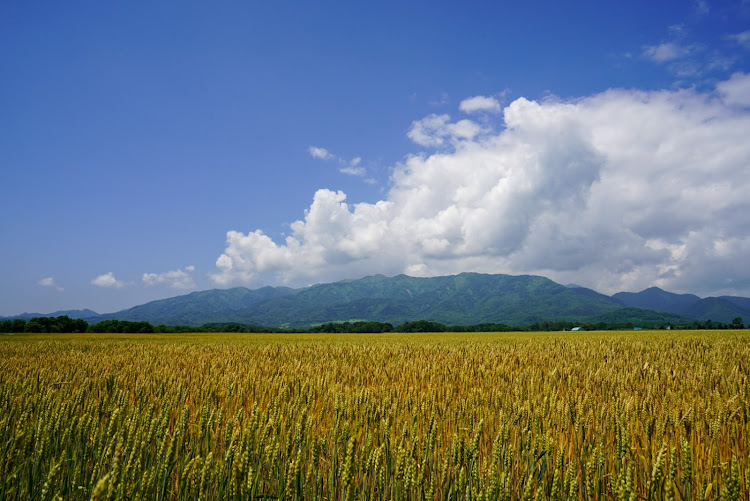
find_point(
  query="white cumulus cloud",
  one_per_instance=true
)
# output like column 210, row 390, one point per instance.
column 664, row 52
column 177, row 279
column 438, row 130
column 108, row 280
column 617, row 191
column 736, row 90
column 480, row 103
column 319, row 153
column 50, row 282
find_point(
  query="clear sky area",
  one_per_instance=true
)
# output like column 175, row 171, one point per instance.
column 150, row 149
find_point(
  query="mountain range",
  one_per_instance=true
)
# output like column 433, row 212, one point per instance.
column 464, row 299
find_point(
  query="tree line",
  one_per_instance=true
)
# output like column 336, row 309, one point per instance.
column 65, row 324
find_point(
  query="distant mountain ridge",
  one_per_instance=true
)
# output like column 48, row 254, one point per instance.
column 468, row 298
column 657, row 299
column 197, row 308
column 719, row 309
column 75, row 314
column 464, row 299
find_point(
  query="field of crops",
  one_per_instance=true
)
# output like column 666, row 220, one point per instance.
column 637, row 415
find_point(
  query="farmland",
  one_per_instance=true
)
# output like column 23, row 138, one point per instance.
column 600, row 415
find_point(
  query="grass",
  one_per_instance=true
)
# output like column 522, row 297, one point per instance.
column 590, row 415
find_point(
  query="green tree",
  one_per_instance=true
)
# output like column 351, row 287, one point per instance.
column 120, row 326
column 421, row 326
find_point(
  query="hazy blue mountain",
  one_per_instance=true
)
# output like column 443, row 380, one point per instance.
column 742, row 302
column 75, row 314
column 721, row 309
column 657, row 299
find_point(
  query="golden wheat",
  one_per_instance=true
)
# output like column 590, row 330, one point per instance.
column 446, row 416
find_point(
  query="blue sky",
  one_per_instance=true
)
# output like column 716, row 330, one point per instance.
column 148, row 150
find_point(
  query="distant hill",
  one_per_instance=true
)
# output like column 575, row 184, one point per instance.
column 197, row 308
column 657, row 299
column 719, row 309
column 742, row 302
column 465, row 299
column 583, row 291
column 455, row 300
column 638, row 317
column 76, row 314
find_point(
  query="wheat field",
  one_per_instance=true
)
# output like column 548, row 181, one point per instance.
column 605, row 415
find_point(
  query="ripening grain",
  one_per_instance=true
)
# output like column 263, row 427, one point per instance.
column 443, row 416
